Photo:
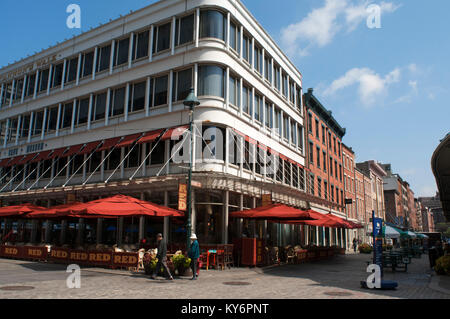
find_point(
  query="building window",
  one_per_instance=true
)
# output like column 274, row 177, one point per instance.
column 24, row 127
column 212, row 24
column 211, row 80
column 292, row 92
column 278, row 121
column 269, row 116
column 285, row 85
column 121, row 51
column 331, row 166
column 286, row 127
column 158, row 91
column 311, row 153
column 18, row 89
column 311, row 178
column 57, row 75
column 99, row 107
column 310, row 124
column 299, row 99
column 118, row 101
column 71, row 70
column 258, row 59
column 324, row 156
column 67, row 115
column 317, row 129
column 247, row 101
column 158, row 154
column 184, row 30
column 268, row 68
column 293, row 133
column 300, row 136
column 87, row 63
column 319, row 187
column 103, row 58
column 323, row 135
column 31, row 80
column 12, row 131
column 37, row 125
column 137, row 96
column 247, row 49
column 182, row 83
column 83, row 111
column 325, row 189
column 277, row 77
column 161, row 37
column 335, row 170
column 43, row 80
column 235, row 37
column 318, row 156
column 235, row 91
column 140, row 43
column 52, row 119
column 258, row 108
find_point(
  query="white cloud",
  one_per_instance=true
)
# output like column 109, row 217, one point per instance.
column 322, row 24
column 370, row 84
column 427, row 190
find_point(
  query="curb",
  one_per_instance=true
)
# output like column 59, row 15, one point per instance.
column 434, row 285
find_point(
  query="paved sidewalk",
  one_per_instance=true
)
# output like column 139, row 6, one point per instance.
column 336, row 278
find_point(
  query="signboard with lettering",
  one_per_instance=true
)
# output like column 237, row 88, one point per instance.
column 99, row 258
column 35, row 253
column 182, row 197
column 59, row 255
column 11, row 251
column 377, row 225
column 266, row 199
column 125, row 259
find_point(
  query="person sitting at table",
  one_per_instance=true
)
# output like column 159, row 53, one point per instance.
column 194, row 254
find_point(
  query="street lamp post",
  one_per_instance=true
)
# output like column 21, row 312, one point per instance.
column 191, row 101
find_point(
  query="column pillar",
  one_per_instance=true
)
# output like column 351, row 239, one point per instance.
column 120, row 232
column 166, row 219
column 80, row 232
column 99, row 230
column 62, row 235
column 226, row 211
column 34, row 227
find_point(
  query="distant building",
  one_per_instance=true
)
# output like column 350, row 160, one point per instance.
column 436, row 211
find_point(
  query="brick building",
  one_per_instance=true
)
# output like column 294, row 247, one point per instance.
column 324, row 156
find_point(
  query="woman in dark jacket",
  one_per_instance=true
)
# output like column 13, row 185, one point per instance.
column 194, row 254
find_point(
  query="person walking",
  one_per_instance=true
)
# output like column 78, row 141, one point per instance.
column 355, row 244
column 162, row 258
column 194, row 254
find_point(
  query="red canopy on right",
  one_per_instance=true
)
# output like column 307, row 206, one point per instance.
column 274, row 212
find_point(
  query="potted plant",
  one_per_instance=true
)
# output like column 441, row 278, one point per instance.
column 181, row 263
column 150, row 262
column 442, row 266
column 365, row 248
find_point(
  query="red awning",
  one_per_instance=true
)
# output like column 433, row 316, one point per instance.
column 58, row 152
column 73, row 150
column 119, row 206
column 19, row 210
column 28, row 158
column 174, row 133
column 4, row 162
column 150, row 136
column 42, row 156
column 109, row 143
column 90, row 147
column 16, row 160
column 274, row 212
column 128, row 140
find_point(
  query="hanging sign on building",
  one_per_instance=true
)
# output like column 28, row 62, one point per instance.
column 267, row 199
column 182, row 197
column 70, row 198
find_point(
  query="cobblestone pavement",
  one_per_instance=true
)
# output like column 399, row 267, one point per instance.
column 336, row 278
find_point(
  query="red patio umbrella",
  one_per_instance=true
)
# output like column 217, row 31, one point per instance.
column 119, row 206
column 59, row 211
column 19, row 210
column 274, row 212
column 321, row 220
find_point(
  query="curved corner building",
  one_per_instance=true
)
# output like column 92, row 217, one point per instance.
column 440, row 164
column 102, row 113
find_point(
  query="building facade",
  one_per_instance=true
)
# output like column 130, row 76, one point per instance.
column 102, row 114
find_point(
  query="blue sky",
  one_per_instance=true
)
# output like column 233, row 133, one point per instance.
column 387, row 86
